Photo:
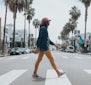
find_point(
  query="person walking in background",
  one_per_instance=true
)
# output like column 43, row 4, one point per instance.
column 43, row 42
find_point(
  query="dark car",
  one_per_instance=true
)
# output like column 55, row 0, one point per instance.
column 22, row 50
column 15, row 51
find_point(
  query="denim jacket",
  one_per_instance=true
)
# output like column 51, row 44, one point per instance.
column 43, row 40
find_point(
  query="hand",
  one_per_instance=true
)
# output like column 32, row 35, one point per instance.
column 56, row 46
column 37, row 50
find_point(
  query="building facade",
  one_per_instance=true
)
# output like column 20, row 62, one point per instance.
column 19, row 38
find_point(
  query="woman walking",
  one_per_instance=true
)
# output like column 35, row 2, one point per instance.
column 43, row 42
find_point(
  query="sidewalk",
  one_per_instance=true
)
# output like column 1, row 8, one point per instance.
column 3, row 55
column 88, row 53
column 85, row 53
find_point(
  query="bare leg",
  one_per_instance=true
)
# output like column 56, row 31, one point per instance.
column 40, row 56
column 50, row 57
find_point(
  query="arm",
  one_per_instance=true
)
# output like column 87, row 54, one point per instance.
column 52, row 43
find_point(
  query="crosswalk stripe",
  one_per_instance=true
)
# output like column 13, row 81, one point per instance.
column 1, row 58
column 9, row 77
column 12, row 58
column 88, row 71
column 26, row 57
column 53, row 79
column 78, row 57
column 65, row 57
column 88, row 57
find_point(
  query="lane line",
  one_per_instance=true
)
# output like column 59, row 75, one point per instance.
column 65, row 57
column 78, row 57
column 53, row 79
column 88, row 71
column 9, row 77
column 26, row 57
column 88, row 57
column 12, row 58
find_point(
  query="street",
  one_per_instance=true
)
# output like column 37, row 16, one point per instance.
column 18, row 69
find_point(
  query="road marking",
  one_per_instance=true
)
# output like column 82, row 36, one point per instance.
column 12, row 58
column 9, row 77
column 1, row 58
column 78, row 57
column 53, row 79
column 88, row 71
column 88, row 57
column 65, row 57
column 26, row 57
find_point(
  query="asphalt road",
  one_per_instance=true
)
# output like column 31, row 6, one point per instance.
column 18, row 69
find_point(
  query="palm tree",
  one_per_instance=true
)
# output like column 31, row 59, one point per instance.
column 30, row 14
column 26, row 8
column 86, row 4
column 59, row 38
column 36, row 24
column 75, row 13
column 67, row 29
column 3, row 45
column 62, row 35
column 18, row 5
column 24, row 27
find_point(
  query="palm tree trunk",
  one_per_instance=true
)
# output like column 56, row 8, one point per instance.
column 29, row 45
column 72, row 38
column 3, row 47
column 24, row 28
column 85, row 27
column 14, row 30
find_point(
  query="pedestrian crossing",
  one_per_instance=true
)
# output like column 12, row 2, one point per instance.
column 22, row 57
column 88, row 71
column 51, row 77
column 9, row 77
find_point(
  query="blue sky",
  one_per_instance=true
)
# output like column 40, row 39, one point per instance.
column 56, row 10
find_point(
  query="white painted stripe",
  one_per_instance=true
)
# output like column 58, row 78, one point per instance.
column 12, row 58
column 1, row 58
column 66, row 57
column 78, row 57
column 26, row 57
column 53, row 79
column 9, row 77
column 88, row 57
column 88, row 71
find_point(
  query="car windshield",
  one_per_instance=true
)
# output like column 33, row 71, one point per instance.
column 71, row 47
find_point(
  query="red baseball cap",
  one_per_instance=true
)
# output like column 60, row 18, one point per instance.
column 45, row 19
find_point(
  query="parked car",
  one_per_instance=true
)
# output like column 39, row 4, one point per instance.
column 60, row 49
column 27, row 50
column 69, row 49
column 15, row 51
column 23, row 50
column 33, row 50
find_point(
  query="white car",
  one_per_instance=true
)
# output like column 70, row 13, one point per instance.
column 69, row 49
column 27, row 50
